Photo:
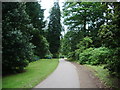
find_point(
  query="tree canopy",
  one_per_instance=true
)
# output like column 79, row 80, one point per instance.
column 54, row 30
column 93, row 32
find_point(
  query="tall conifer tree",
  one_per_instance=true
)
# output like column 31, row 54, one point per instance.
column 54, row 29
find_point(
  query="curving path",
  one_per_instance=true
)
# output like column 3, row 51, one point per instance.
column 65, row 76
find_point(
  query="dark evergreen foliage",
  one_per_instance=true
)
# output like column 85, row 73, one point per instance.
column 54, row 30
column 17, row 49
column 23, row 35
column 36, row 14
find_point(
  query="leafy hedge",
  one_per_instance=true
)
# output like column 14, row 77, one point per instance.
column 94, row 56
column 97, row 56
column 113, row 61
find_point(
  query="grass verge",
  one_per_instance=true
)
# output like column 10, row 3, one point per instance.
column 104, row 76
column 35, row 73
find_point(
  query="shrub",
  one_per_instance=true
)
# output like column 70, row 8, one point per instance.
column 49, row 55
column 77, row 52
column 99, row 56
column 17, row 52
column 94, row 56
column 84, row 56
column 113, row 61
column 71, row 55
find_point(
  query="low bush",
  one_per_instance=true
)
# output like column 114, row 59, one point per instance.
column 94, row 56
column 84, row 56
column 17, row 52
column 113, row 62
column 99, row 56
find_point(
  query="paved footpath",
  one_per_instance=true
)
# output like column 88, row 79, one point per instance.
column 65, row 76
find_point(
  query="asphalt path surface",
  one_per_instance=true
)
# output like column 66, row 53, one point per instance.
column 65, row 76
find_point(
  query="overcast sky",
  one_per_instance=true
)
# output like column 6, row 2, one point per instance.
column 47, row 4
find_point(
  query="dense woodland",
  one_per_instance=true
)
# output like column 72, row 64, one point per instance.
column 92, row 35
column 25, row 37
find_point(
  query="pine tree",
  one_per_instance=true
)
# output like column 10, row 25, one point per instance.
column 54, row 29
column 84, row 16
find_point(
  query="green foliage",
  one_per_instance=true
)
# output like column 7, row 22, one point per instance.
column 36, row 15
column 85, row 43
column 17, row 49
column 49, row 56
column 84, row 56
column 113, row 62
column 71, row 55
column 109, row 35
column 68, row 43
column 94, row 56
column 99, row 26
column 82, row 45
column 79, row 14
column 22, row 39
column 99, row 56
column 105, row 76
column 42, row 46
column 54, row 30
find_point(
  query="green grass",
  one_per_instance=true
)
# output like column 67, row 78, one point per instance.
column 104, row 76
column 35, row 73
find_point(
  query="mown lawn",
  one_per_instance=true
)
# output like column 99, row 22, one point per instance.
column 104, row 76
column 35, row 73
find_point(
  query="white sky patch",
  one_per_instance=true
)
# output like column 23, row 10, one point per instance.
column 47, row 5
